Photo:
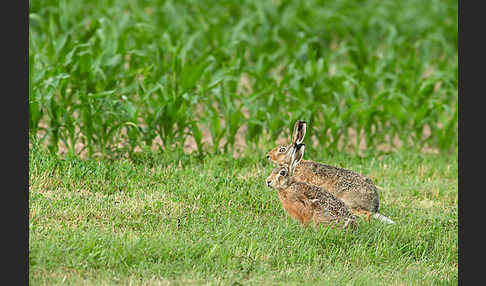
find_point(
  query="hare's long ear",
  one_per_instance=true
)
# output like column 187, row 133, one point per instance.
column 297, row 154
column 299, row 132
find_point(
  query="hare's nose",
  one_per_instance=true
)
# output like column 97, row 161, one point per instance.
column 268, row 157
column 268, row 183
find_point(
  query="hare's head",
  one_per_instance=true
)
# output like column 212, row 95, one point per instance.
column 280, row 155
column 281, row 177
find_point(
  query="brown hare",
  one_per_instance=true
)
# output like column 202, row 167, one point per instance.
column 357, row 191
column 305, row 202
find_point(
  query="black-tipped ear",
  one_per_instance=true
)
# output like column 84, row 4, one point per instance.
column 301, row 132
column 300, row 128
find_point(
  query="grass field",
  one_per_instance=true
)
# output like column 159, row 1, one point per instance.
column 174, row 219
column 149, row 122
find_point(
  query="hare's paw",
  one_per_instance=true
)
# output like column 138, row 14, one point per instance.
column 359, row 212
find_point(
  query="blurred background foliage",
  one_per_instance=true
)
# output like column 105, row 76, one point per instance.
column 114, row 77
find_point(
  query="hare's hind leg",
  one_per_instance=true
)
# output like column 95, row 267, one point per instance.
column 350, row 224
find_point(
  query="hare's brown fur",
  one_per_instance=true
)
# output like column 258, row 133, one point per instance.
column 355, row 190
column 306, row 202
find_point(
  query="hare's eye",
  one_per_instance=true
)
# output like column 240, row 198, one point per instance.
column 283, row 173
column 282, row 149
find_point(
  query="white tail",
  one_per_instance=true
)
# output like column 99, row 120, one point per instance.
column 383, row 218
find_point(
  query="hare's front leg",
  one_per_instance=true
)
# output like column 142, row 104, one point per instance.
column 360, row 212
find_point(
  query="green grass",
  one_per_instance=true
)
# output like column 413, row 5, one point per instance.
column 127, row 84
column 109, row 77
column 173, row 218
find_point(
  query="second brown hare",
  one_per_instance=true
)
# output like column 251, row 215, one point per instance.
column 305, row 202
column 357, row 191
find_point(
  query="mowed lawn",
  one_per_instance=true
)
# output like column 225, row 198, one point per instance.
column 176, row 219
column 136, row 79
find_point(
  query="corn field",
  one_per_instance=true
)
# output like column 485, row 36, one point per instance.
column 115, row 77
